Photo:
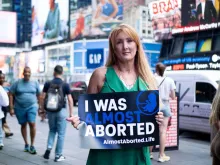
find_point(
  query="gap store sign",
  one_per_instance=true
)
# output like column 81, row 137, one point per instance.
column 94, row 58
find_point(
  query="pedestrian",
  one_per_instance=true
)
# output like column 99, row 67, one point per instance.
column 126, row 70
column 215, row 122
column 167, row 89
column 4, row 101
column 5, row 126
column 57, row 120
column 24, row 97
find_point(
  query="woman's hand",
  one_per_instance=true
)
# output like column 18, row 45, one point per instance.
column 74, row 121
column 159, row 118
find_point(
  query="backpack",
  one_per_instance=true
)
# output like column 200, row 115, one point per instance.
column 54, row 100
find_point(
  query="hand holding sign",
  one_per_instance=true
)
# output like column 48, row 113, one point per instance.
column 159, row 118
column 74, row 121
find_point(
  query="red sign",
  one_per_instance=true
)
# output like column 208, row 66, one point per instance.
column 159, row 7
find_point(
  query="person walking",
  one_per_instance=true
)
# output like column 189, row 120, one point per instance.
column 5, row 126
column 4, row 101
column 166, row 91
column 24, row 97
column 126, row 70
column 57, row 120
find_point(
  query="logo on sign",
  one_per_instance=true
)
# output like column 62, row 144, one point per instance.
column 95, row 58
column 147, row 105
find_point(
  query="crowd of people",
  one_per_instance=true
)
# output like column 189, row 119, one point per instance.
column 126, row 70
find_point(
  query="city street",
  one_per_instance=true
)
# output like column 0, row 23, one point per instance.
column 193, row 149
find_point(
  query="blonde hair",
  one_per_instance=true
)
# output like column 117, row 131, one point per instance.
column 215, row 110
column 141, row 62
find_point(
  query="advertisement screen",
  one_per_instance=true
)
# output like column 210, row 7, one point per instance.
column 36, row 61
column 8, row 28
column 95, row 18
column 189, row 47
column 205, row 61
column 165, row 16
column 49, row 21
column 199, row 15
column 59, row 56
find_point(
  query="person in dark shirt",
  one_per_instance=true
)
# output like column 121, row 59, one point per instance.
column 206, row 12
column 57, row 120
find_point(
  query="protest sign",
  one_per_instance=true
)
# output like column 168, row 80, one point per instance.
column 119, row 120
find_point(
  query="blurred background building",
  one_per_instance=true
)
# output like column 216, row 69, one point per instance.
column 136, row 14
column 23, row 25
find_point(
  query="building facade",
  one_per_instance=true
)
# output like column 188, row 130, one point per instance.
column 136, row 14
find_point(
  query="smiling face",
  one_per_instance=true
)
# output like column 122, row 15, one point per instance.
column 125, row 47
column 27, row 74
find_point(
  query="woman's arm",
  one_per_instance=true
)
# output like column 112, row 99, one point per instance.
column 172, row 94
column 96, row 81
column 98, row 11
column 95, row 85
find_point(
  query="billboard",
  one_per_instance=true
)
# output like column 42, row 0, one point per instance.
column 8, row 28
column 36, row 61
column 165, row 16
column 59, row 55
column 199, row 15
column 94, row 18
column 49, row 21
column 205, row 61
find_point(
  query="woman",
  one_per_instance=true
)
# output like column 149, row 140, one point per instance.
column 167, row 90
column 108, row 9
column 126, row 70
column 215, row 122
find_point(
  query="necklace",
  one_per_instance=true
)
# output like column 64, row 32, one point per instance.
column 129, row 86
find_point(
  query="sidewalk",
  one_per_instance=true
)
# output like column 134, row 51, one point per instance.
column 191, row 152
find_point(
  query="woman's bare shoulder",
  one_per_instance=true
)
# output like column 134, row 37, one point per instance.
column 100, row 72
column 97, row 80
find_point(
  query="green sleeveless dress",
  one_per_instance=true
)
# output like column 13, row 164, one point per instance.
column 130, row 156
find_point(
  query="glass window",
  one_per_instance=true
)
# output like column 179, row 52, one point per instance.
column 204, row 45
column 189, row 46
column 205, row 92
column 178, row 43
column 216, row 43
column 165, row 50
column 78, row 59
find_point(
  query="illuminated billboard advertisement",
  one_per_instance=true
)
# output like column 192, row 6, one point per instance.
column 36, row 61
column 49, row 21
column 198, row 15
column 8, row 28
column 205, row 61
column 165, row 16
column 95, row 18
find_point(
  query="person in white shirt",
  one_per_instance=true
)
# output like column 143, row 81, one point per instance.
column 4, row 101
column 167, row 89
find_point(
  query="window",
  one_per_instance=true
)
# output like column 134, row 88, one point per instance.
column 189, row 46
column 165, row 50
column 216, row 43
column 205, row 92
column 177, row 47
column 144, row 31
column 149, row 32
column 78, row 59
column 204, row 45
